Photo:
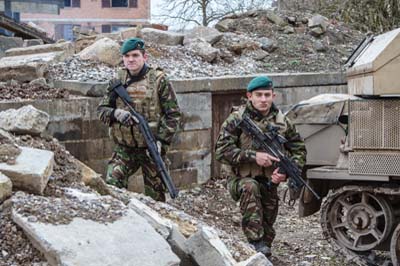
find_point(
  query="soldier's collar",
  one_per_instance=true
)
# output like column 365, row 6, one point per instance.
column 254, row 113
column 142, row 73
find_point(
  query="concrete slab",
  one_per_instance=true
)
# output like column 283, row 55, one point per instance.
column 129, row 241
column 161, row 225
column 66, row 47
column 31, row 171
column 25, row 120
column 177, row 242
column 207, row 249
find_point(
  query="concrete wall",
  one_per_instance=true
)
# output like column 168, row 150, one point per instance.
column 74, row 121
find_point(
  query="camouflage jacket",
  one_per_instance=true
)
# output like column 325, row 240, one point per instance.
column 236, row 149
column 153, row 97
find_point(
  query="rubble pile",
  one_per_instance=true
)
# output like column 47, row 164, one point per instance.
column 15, row 91
column 75, row 68
column 15, row 248
column 253, row 42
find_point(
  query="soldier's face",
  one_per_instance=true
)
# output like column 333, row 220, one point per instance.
column 261, row 100
column 134, row 61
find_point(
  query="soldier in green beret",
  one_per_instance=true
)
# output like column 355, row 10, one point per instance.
column 155, row 99
column 246, row 165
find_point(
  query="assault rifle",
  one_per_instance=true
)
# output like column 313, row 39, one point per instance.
column 149, row 138
column 271, row 143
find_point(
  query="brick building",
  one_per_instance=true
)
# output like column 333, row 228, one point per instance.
column 100, row 15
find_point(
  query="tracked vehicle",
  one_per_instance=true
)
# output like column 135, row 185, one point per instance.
column 353, row 160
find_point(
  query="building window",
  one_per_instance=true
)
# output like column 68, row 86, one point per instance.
column 114, row 28
column 72, row 3
column 119, row 3
column 105, row 28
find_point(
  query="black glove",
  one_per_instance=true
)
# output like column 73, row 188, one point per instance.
column 124, row 117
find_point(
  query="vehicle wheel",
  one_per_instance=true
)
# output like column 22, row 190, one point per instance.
column 395, row 246
column 357, row 220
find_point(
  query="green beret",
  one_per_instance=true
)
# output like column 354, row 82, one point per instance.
column 263, row 82
column 132, row 44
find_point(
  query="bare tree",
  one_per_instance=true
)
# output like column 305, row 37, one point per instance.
column 205, row 12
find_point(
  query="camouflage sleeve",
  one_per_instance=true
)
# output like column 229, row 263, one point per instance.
column 106, row 108
column 170, row 112
column 227, row 150
column 295, row 145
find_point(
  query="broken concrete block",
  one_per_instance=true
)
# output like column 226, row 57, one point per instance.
column 129, row 240
column 177, row 241
column 207, row 249
column 161, row 225
column 21, row 70
column 210, row 35
column 25, row 120
column 32, row 42
column 104, row 50
column 204, row 50
column 9, row 42
column 87, row 173
column 128, row 33
column 256, row 260
column 161, row 36
column 5, row 187
column 31, row 171
column 318, row 21
column 66, row 47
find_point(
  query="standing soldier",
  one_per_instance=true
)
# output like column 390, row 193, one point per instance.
column 153, row 97
column 258, row 202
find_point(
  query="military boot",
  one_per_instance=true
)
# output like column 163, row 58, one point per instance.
column 261, row 247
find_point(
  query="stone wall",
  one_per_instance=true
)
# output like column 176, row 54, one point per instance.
column 205, row 103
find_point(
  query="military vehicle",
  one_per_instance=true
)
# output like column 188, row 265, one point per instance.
column 353, row 160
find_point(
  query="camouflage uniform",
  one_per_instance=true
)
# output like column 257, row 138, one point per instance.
column 155, row 99
column 258, row 203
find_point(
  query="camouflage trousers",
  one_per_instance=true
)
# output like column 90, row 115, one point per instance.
column 258, row 206
column 125, row 162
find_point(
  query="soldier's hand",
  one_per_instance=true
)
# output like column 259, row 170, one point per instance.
column 278, row 177
column 124, row 117
column 265, row 160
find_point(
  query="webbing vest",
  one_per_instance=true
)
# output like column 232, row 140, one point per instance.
column 146, row 101
column 245, row 142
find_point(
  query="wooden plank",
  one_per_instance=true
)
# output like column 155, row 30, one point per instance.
column 22, row 30
column 221, row 108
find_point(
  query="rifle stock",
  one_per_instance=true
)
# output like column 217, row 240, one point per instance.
column 150, row 141
column 271, row 143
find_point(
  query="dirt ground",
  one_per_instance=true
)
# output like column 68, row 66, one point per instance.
column 298, row 241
